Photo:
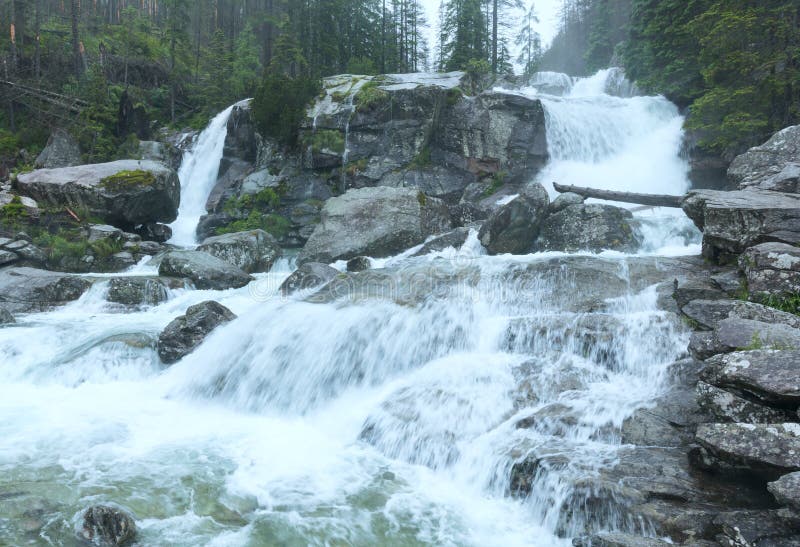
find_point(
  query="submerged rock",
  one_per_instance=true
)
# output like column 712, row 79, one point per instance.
column 6, row 318
column 514, row 227
column 205, row 271
column 593, row 227
column 454, row 239
column 185, row 333
column 254, row 251
column 374, row 222
column 308, row 276
column 25, row 290
column 359, row 264
column 137, row 291
column 123, row 193
column 775, row 165
column 104, row 525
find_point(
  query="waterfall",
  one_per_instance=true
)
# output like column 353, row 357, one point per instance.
column 198, row 175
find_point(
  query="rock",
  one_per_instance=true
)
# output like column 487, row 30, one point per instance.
column 101, row 232
column 775, row 165
column 374, row 222
column 308, row 276
column 62, row 150
column 104, row 525
column 514, row 227
column 7, row 258
column 592, row 227
column 762, row 528
column 454, row 239
column 772, row 269
column 24, row 290
column 153, row 231
column 162, row 152
column 767, row 450
column 724, row 406
column 771, row 377
column 733, row 221
column 254, row 251
column 565, row 200
column 6, row 318
column 137, row 291
column 205, row 271
column 30, row 205
column 707, row 314
column 123, row 193
column 787, row 490
column 359, row 264
column 693, row 288
column 185, row 333
column 618, row 539
column 208, row 224
column 734, row 334
column 701, row 345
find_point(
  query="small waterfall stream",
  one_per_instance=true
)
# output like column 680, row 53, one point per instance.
column 390, row 415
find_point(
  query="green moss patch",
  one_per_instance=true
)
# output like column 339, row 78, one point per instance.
column 370, row 96
column 326, row 140
column 276, row 225
column 128, row 180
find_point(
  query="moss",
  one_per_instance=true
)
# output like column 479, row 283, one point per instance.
column 276, row 225
column 423, row 159
column 356, row 167
column 338, row 96
column 422, row 199
column 454, row 95
column 128, row 180
column 370, row 96
column 13, row 212
column 497, row 182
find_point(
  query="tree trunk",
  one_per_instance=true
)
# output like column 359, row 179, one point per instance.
column 37, row 52
column 495, row 9
column 76, row 44
column 653, row 200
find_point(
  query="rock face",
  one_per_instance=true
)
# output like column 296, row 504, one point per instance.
column 25, row 290
column 455, row 239
column 514, row 227
column 775, row 165
column 137, row 291
column 62, row 150
column 707, row 314
column 734, row 334
column 104, row 525
column 254, row 251
column 787, row 490
column 205, row 271
column 185, row 333
column 308, row 276
column 592, row 227
column 772, row 269
column 375, row 222
column 769, row 376
column 763, row 449
column 123, row 193
column 733, row 221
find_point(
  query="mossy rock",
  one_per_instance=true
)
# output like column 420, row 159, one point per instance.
column 128, row 180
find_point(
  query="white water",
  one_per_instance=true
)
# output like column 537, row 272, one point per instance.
column 198, row 175
column 386, row 417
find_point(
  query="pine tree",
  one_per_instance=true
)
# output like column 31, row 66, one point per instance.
column 530, row 43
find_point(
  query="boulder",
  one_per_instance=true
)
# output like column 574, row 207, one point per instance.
column 772, row 270
column 62, row 150
column 787, row 490
column 455, row 239
column 153, row 231
column 733, row 221
column 137, row 291
column 514, row 227
column 359, row 264
column 7, row 258
column 123, row 193
column 162, row 152
column 772, row 377
column 565, row 200
column 757, row 527
column 308, row 276
column 775, row 165
column 185, row 333
column 707, row 314
column 24, row 290
column 254, row 251
column 725, row 406
column 104, row 525
column 693, row 288
column 102, row 232
column 6, row 318
column 374, row 222
column 593, row 227
column 26, row 251
column 734, row 334
column 619, row 539
column 204, row 270
column 763, row 449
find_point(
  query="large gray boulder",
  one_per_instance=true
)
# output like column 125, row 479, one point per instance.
column 734, row 334
column 24, row 290
column 726, row 406
column 514, row 227
column 106, row 525
column 787, row 490
column 588, row 227
column 62, row 150
column 204, row 270
column 775, row 165
column 123, row 193
column 762, row 449
column 254, row 251
column 770, row 376
column 374, row 222
column 733, row 221
column 772, row 269
column 185, row 333
column 138, row 291
column 707, row 314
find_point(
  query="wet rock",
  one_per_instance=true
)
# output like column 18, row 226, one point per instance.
column 733, row 221
column 137, row 291
column 374, row 222
column 254, row 251
column 775, row 165
column 772, row 269
column 757, row 528
column 6, row 318
column 62, row 150
column 514, row 227
column 734, row 334
column 768, row 450
column 565, row 200
column 618, row 539
column 205, row 271
column 592, row 227
column 769, row 376
column 162, row 152
column 359, row 264
column 185, row 333
column 694, row 288
column 454, row 239
column 153, row 231
column 702, row 345
column 787, row 490
column 208, row 224
column 24, row 290
column 104, row 525
column 103, row 232
column 707, row 314
column 308, row 276
column 106, row 192
column 725, row 406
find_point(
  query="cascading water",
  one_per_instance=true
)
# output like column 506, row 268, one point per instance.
column 198, row 175
column 389, row 414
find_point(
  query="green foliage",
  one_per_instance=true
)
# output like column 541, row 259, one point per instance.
column 13, row 213
column 126, row 180
column 421, row 160
column 267, row 199
column 276, row 225
column 787, row 302
column 497, row 182
column 325, row 140
column 370, row 96
column 422, row 199
column 465, row 34
column 454, row 95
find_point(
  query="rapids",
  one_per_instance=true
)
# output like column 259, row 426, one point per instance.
column 364, row 419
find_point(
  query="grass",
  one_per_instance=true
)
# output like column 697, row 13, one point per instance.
column 786, row 302
column 370, row 96
column 276, row 225
column 326, row 140
column 497, row 182
column 128, row 180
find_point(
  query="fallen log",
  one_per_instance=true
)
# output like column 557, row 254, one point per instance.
column 652, row 200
